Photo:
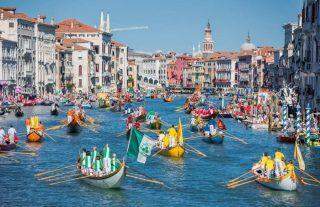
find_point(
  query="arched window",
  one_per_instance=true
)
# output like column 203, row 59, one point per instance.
column 80, row 70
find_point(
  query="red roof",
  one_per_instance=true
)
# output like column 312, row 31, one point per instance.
column 73, row 40
column 75, row 26
column 117, row 44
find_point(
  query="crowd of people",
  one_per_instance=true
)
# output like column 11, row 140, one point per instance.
column 98, row 163
column 169, row 139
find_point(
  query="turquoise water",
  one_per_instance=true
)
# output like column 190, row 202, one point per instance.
column 190, row 181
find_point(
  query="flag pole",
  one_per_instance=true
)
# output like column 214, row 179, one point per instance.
column 126, row 155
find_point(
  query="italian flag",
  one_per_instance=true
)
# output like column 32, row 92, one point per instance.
column 140, row 145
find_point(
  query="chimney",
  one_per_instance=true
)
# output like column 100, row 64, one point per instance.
column 108, row 23
column 101, row 24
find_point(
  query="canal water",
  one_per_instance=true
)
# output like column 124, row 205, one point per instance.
column 190, row 181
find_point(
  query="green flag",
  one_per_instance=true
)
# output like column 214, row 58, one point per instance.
column 140, row 145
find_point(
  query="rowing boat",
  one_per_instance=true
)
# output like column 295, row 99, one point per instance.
column 112, row 180
column 290, row 138
column 54, row 112
column 286, row 183
column 7, row 147
column 177, row 151
column 215, row 139
column 168, row 99
column 35, row 136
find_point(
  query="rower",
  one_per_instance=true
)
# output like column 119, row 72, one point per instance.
column 269, row 166
column 160, row 139
column 172, row 135
column 263, row 161
column 83, row 158
column 12, row 133
column 94, row 154
column 2, row 134
column 290, row 167
column 97, row 166
column 106, row 159
column 279, row 165
column 27, row 123
column 113, row 162
column 193, row 121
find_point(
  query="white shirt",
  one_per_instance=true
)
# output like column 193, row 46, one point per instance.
column 2, row 133
column 12, row 131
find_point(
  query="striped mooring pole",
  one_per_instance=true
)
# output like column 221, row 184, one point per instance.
column 308, row 121
column 298, row 121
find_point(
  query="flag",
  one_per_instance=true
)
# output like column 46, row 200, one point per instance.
column 140, row 145
column 298, row 156
column 180, row 133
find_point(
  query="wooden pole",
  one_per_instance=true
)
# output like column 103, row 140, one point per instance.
column 56, row 175
column 78, row 178
column 157, row 152
column 146, row 180
column 234, row 186
column 50, row 136
column 237, row 178
column 9, row 158
column 55, row 170
column 199, row 152
column 22, row 153
column 240, row 181
column 314, row 178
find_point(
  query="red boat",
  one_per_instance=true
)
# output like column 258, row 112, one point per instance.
column 287, row 139
column 29, row 103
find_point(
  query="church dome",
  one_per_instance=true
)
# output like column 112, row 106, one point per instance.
column 248, row 46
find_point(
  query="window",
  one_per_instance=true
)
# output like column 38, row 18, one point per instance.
column 80, row 70
column 11, row 24
column 80, row 83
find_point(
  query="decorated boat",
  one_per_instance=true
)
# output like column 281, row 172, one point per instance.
column 35, row 136
column 176, row 152
column 112, row 180
column 217, row 138
column 73, row 121
column 287, row 182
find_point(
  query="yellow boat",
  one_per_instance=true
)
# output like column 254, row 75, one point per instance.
column 177, row 151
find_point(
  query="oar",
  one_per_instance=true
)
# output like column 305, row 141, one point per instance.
column 315, row 179
column 120, row 134
column 50, row 136
column 56, row 175
column 63, row 181
column 192, row 138
column 55, row 170
column 234, row 186
column 157, row 152
column 21, row 153
column 143, row 179
column 166, row 123
column 63, row 177
column 26, row 147
column 235, row 138
column 239, row 181
column 10, row 158
column 55, row 127
column 198, row 152
column 237, row 178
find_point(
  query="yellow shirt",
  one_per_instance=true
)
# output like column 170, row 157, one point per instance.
column 263, row 160
column 279, row 155
column 290, row 167
column 172, row 132
column 270, row 164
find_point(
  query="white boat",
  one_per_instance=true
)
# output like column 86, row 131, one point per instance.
column 258, row 126
column 286, row 183
column 113, row 180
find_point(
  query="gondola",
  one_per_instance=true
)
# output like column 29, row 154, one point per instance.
column 176, row 152
column 216, row 139
column 286, row 183
column 291, row 138
column 34, row 136
column 54, row 112
column 7, row 147
column 112, row 180
column 19, row 113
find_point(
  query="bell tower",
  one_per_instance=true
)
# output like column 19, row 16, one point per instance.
column 208, row 45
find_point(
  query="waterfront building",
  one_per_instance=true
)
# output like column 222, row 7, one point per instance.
column 8, row 65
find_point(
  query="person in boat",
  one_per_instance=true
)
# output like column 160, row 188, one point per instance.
column 269, row 167
column 193, row 120
column 27, row 123
column 263, row 161
column 106, row 159
column 279, row 163
column 97, row 167
column 114, row 162
column 210, row 129
column 82, row 159
column 172, row 136
column 161, row 139
column 2, row 134
column 40, row 128
column 290, row 168
column 221, row 125
column 88, row 164
column 94, row 154
column 12, row 134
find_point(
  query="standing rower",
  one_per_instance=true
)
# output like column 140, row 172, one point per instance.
column 2, row 134
column 12, row 133
column 106, row 159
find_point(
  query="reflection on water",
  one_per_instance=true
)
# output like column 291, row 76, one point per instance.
column 190, row 181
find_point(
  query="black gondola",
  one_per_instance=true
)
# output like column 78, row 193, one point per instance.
column 54, row 112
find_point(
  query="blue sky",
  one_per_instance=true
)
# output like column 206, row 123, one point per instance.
column 176, row 24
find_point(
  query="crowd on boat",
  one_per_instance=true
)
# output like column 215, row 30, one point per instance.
column 98, row 163
column 8, row 138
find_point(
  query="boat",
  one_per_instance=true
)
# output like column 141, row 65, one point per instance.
column 29, row 103
column 258, row 126
column 225, row 114
column 46, row 103
column 86, row 106
column 19, row 113
column 194, row 128
column 291, row 138
column 216, row 139
column 35, row 136
column 54, row 112
column 285, row 183
column 141, row 118
column 177, row 151
column 112, row 180
column 168, row 99
column 7, row 147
